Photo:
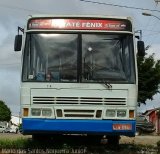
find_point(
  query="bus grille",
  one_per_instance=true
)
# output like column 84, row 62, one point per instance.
column 79, row 101
column 78, row 113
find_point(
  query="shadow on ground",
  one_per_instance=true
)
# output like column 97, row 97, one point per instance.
column 88, row 145
column 73, row 145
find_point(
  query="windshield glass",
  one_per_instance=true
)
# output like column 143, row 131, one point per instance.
column 79, row 58
column 141, row 119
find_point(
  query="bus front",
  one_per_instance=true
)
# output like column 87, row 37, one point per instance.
column 79, row 76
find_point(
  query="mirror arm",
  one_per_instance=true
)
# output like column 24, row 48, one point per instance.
column 20, row 29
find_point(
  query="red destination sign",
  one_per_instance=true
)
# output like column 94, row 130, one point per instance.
column 80, row 24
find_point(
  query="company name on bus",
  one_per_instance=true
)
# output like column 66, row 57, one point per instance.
column 77, row 24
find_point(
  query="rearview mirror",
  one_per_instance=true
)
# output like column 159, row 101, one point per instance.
column 18, row 43
column 141, row 48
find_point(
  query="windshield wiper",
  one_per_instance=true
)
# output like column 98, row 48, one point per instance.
column 107, row 84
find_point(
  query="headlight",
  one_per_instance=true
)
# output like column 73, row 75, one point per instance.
column 110, row 113
column 121, row 113
column 36, row 112
column 46, row 112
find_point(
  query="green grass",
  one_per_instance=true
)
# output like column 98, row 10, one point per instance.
column 24, row 143
column 19, row 143
column 29, row 145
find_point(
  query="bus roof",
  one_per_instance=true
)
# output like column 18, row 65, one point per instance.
column 79, row 16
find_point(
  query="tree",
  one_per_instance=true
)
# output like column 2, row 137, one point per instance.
column 5, row 113
column 148, row 78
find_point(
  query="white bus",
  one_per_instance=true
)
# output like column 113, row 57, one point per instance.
column 79, row 76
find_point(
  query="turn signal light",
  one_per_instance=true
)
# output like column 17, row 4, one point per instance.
column 131, row 113
column 25, row 112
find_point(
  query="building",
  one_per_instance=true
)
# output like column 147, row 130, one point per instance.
column 153, row 116
column 16, row 120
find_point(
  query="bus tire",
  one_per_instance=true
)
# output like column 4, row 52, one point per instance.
column 113, row 140
column 95, row 138
column 40, row 137
column 138, row 132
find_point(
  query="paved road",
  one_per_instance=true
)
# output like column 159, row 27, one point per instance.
column 145, row 140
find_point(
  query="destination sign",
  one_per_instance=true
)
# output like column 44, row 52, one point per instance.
column 81, row 24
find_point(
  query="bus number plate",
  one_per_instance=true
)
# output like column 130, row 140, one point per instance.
column 122, row 127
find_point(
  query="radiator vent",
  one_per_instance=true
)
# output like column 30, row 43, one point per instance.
column 79, row 100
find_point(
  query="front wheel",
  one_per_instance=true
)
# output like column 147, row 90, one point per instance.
column 113, row 140
column 138, row 132
column 40, row 137
column 94, row 139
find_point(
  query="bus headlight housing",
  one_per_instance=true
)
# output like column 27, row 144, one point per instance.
column 46, row 112
column 110, row 113
column 35, row 112
column 121, row 113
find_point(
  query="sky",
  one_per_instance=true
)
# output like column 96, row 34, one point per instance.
column 14, row 13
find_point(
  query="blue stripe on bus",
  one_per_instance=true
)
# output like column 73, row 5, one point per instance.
column 38, row 125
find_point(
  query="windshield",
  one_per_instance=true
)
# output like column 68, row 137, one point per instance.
column 79, row 58
column 141, row 119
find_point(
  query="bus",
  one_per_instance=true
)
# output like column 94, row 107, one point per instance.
column 79, row 75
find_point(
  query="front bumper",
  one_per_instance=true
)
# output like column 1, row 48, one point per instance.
column 149, row 130
column 46, row 126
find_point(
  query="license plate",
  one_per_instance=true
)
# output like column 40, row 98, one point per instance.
column 122, row 127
